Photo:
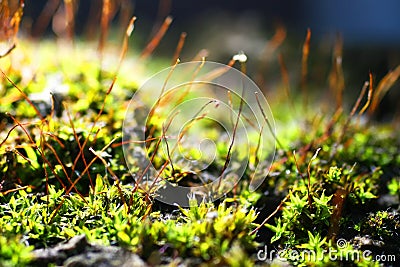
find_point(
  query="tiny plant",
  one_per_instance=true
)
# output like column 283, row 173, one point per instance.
column 330, row 195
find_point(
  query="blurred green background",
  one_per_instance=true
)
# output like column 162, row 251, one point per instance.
column 370, row 31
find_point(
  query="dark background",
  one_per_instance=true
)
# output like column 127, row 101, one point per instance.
column 370, row 31
column 371, row 21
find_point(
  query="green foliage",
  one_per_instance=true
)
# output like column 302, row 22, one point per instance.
column 394, row 186
column 310, row 213
column 382, row 224
column 298, row 216
column 203, row 231
column 13, row 252
column 66, row 175
column 334, row 175
column 46, row 220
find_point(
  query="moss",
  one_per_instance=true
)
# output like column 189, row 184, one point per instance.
column 64, row 173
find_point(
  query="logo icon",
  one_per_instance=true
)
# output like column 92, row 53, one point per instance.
column 194, row 130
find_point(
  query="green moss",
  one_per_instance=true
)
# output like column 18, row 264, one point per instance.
column 13, row 252
column 53, row 189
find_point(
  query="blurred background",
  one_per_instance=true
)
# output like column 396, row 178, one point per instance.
column 367, row 30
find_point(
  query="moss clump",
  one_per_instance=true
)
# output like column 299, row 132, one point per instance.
column 334, row 177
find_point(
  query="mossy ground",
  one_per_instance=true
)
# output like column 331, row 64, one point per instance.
column 335, row 175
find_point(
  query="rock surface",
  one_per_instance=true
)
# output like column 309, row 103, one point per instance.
column 78, row 252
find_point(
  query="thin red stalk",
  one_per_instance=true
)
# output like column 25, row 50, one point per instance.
column 54, row 212
column 125, row 42
column 151, row 113
column 304, row 65
column 336, row 77
column 257, row 160
column 42, row 142
column 69, row 17
column 113, row 176
column 383, row 87
column 45, row 17
column 183, row 132
column 218, row 71
column 228, row 156
column 23, row 95
column 159, row 173
column 104, row 24
column 22, row 156
column 48, row 164
column 9, row 132
column 40, row 151
column 148, row 166
column 269, row 49
column 193, row 119
column 152, row 156
column 156, row 39
column 309, row 177
column 179, row 47
column 250, row 122
column 165, row 84
column 22, row 127
column 353, row 111
column 271, row 215
column 83, row 173
column 95, row 121
column 173, row 149
column 357, row 104
column 189, row 86
column 369, row 96
column 55, row 138
column 126, row 9
column 285, row 75
column 267, row 121
column 14, row 190
column 124, row 48
column 136, row 142
column 285, row 79
column 201, row 55
column 167, row 147
column 63, row 168
column 331, row 124
column 81, row 147
column 298, row 167
column 230, row 106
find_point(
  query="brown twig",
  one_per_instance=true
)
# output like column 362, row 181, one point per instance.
column 369, row 96
column 271, row 215
column 228, row 155
column 104, row 24
column 267, row 121
column 156, row 39
column 338, row 201
column 113, row 176
column 44, row 18
column 81, row 148
column 336, row 77
column 383, row 87
column 179, row 47
column 304, row 65
column 70, row 19
column 23, row 95
column 309, row 177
